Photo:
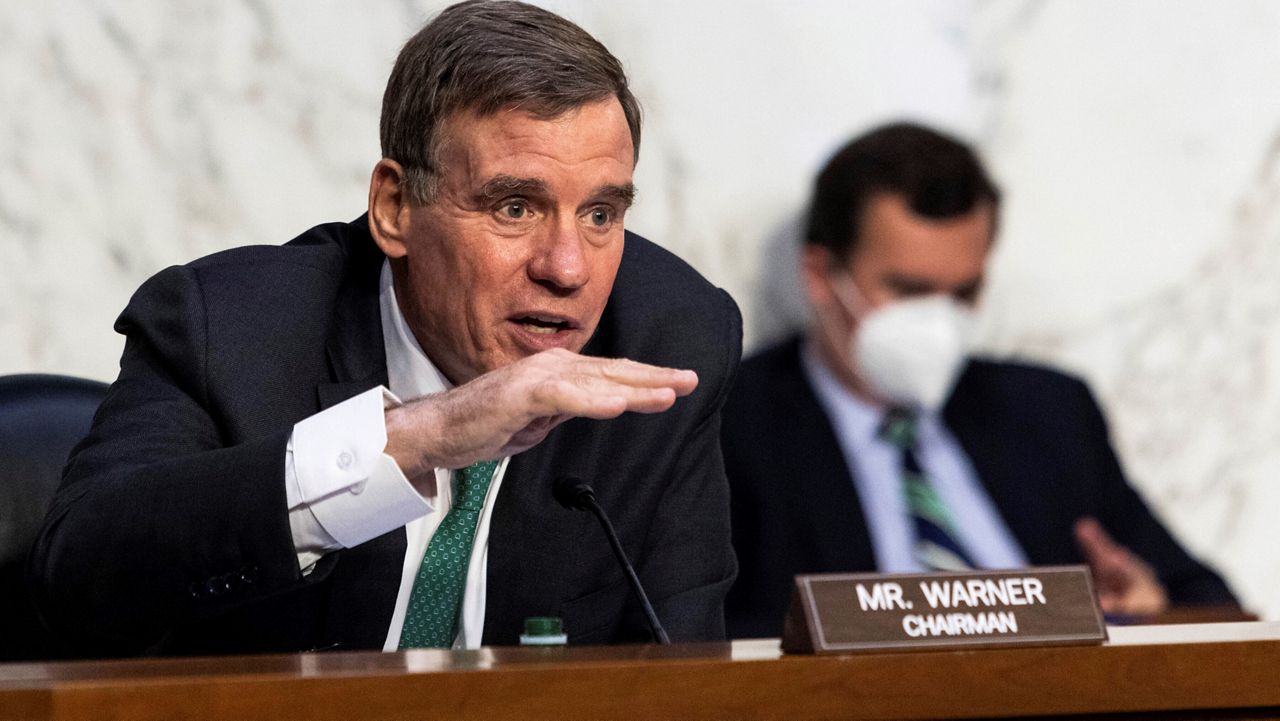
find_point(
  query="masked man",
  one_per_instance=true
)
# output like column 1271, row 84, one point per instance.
column 874, row 444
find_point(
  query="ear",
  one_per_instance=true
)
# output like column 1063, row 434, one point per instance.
column 815, row 272
column 389, row 208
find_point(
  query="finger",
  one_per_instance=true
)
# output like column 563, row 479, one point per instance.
column 589, row 395
column 1110, row 601
column 640, row 399
column 1146, row 595
column 650, row 400
column 1126, row 583
column 564, row 397
column 1097, row 546
column 1143, row 595
column 1110, row 563
column 632, row 373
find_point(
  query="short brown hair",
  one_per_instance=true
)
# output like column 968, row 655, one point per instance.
column 939, row 176
column 486, row 56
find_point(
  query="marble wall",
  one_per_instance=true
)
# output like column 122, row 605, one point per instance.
column 1138, row 142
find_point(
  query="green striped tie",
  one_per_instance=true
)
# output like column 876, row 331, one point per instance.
column 431, row 621
column 936, row 546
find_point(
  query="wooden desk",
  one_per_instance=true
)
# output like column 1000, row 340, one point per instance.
column 1227, row 670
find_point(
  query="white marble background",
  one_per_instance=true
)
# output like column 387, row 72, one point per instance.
column 1138, row 142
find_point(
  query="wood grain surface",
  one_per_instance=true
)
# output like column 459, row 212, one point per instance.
column 1229, row 670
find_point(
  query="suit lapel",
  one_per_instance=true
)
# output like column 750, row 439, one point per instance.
column 822, row 489
column 354, row 348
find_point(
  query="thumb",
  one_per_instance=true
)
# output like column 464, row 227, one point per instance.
column 1096, row 545
column 1111, row 562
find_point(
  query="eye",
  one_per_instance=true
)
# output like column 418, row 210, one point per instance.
column 515, row 210
column 600, row 217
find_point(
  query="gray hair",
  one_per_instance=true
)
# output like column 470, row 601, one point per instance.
column 486, row 56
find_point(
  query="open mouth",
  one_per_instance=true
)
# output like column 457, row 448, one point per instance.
column 543, row 325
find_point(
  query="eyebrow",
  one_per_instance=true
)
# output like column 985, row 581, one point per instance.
column 500, row 186
column 915, row 284
column 623, row 194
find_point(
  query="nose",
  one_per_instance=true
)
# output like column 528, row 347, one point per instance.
column 560, row 261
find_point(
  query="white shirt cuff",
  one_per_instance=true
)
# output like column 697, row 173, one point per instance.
column 342, row 490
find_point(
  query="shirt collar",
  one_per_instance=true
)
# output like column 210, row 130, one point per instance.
column 855, row 415
column 410, row 372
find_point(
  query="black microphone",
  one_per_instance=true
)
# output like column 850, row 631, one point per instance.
column 574, row 494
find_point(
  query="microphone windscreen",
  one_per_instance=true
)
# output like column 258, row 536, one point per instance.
column 572, row 492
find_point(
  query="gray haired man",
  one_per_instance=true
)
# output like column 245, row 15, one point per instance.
column 350, row 441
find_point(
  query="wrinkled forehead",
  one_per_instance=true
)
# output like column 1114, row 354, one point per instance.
column 591, row 139
column 456, row 122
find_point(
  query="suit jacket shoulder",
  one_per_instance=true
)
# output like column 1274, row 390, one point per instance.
column 1040, row 444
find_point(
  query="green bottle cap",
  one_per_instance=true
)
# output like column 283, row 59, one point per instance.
column 543, row 631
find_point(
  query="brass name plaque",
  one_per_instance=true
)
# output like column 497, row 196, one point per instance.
column 843, row 613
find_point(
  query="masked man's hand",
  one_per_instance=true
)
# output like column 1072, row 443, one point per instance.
column 1126, row 584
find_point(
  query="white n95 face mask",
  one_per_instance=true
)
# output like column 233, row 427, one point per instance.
column 910, row 352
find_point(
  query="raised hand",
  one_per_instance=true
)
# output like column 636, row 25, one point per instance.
column 513, row 408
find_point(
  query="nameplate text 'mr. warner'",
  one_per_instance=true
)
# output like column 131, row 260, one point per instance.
column 839, row 613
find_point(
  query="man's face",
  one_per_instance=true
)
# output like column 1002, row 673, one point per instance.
column 899, row 255
column 518, row 251
column 903, row 255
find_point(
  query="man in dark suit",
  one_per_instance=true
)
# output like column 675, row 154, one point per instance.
column 874, row 444
column 350, row 441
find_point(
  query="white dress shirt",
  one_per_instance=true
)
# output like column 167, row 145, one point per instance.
column 875, row 465
column 343, row 490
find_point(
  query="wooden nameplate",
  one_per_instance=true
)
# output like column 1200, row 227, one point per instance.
column 846, row 613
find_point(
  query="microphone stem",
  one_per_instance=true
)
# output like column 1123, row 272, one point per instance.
column 659, row 633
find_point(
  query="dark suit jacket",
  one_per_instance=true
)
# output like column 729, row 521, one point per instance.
column 170, row 530
column 1037, row 441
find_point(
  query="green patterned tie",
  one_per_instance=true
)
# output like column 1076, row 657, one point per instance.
column 431, row 621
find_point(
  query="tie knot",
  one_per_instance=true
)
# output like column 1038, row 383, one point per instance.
column 899, row 428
